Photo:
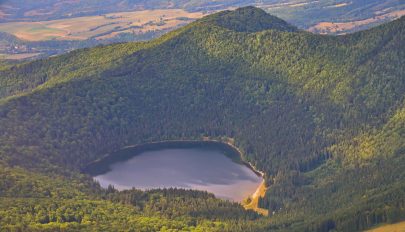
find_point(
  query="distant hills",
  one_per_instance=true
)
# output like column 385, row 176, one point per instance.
column 304, row 13
column 89, row 23
column 322, row 116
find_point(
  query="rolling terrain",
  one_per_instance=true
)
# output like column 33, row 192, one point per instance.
column 304, row 13
column 78, row 24
column 322, row 116
column 100, row 27
column 21, row 41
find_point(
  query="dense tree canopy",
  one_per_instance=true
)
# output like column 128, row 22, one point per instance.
column 322, row 116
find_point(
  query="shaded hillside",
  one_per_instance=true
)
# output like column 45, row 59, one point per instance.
column 88, row 23
column 322, row 116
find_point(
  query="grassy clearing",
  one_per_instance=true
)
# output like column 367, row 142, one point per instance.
column 397, row 227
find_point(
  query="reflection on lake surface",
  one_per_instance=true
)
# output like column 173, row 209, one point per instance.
column 189, row 168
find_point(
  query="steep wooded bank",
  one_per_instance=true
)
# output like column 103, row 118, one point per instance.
column 322, row 116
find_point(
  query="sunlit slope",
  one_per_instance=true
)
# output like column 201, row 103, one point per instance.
column 322, row 116
column 397, row 227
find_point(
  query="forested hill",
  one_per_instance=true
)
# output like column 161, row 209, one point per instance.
column 322, row 116
column 248, row 19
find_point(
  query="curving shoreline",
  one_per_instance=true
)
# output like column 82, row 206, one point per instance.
column 133, row 150
column 261, row 189
column 250, row 165
column 102, row 164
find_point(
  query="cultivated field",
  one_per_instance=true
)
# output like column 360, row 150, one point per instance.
column 18, row 56
column 102, row 26
column 340, row 28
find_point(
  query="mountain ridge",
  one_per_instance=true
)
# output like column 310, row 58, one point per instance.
column 211, row 21
column 310, row 111
column 248, row 19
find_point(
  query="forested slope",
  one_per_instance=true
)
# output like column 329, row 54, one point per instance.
column 322, row 116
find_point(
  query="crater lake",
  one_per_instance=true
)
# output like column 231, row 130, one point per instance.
column 207, row 166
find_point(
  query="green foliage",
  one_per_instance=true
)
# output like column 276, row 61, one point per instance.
column 34, row 202
column 322, row 116
column 248, row 19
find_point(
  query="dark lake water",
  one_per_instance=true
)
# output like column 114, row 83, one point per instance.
column 190, row 168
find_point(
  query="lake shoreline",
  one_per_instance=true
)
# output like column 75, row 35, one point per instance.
column 91, row 168
column 102, row 164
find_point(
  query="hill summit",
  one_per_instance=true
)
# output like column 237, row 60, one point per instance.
column 323, row 117
column 248, row 19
